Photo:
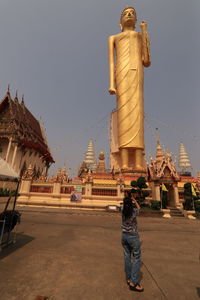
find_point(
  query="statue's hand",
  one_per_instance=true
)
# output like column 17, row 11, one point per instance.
column 112, row 91
column 143, row 25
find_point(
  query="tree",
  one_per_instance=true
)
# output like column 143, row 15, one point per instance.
column 190, row 196
column 138, row 189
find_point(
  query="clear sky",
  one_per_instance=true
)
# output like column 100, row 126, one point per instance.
column 55, row 53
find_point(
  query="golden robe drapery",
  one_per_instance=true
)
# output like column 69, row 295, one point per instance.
column 129, row 86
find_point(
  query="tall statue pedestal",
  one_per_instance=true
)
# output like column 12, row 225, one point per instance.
column 135, row 172
column 132, row 174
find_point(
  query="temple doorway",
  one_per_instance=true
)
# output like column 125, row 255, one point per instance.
column 170, row 195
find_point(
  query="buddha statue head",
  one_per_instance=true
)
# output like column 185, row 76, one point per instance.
column 128, row 18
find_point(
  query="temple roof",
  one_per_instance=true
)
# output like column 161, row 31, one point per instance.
column 162, row 166
column 23, row 125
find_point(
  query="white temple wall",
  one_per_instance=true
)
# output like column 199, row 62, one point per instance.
column 17, row 157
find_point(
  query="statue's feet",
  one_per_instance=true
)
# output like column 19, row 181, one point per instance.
column 126, row 170
column 140, row 169
column 133, row 170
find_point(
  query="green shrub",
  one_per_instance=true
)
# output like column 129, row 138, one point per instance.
column 134, row 183
column 138, row 189
column 155, row 204
column 197, row 206
column 145, row 205
column 6, row 192
column 188, row 197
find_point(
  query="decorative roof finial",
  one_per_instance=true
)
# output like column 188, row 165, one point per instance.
column 8, row 90
column 16, row 98
column 157, row 137
column 22, row 102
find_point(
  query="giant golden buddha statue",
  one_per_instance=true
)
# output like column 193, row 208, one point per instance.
column 128, row 54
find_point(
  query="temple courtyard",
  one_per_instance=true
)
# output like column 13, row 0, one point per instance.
column 72, row 254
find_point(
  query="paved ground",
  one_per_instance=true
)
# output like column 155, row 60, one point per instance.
column 73, row 255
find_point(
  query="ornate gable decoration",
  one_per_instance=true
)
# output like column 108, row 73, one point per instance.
column 162, row 167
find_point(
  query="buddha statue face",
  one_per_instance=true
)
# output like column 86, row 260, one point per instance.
column 128, row 18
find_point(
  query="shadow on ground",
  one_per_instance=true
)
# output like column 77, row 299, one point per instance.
column 21, row 241
column 198, row 291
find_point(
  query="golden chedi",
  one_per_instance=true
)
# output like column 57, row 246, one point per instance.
column 101, row 167
column 128, row 54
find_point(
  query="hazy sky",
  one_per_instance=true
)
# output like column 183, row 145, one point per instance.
column 55, row 53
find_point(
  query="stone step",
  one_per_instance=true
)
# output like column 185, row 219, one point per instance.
column 178, row 216
column 175, row 212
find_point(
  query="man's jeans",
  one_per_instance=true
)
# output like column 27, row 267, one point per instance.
column 132, row 254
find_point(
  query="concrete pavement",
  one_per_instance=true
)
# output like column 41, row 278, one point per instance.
column 72, row 254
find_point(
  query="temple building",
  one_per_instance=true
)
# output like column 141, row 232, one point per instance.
column 22, row 139
column 101, row 189
column 162, row 172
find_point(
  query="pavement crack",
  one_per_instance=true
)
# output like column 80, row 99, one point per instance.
column 156, row 283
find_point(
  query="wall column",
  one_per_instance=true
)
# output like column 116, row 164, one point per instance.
column 176, row 195
column 88, row 189
column 157, row 191
column 56, row 189
column 14, row 155
column 25, row 187
column 8, row 149
column 24, row 191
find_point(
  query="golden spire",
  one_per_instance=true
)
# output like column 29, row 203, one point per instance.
column 159, row 151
